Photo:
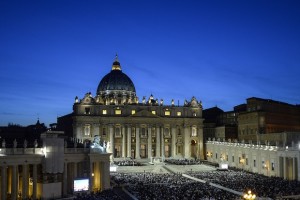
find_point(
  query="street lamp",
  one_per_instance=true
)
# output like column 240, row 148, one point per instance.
column 249, row 195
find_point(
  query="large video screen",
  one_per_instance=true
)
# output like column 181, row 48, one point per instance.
column 81, row 185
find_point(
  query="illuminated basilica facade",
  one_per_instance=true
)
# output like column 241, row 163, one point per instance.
column 135, row 128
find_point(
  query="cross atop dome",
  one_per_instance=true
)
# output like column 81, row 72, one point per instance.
column 116, row 64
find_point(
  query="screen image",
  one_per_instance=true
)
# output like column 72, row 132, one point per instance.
column 81, row 185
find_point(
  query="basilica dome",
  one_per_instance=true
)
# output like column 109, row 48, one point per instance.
column 116, row 84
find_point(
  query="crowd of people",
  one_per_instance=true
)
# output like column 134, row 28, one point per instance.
column 127, row 163
column 262, row 186
column 148, row 185
column 168, row 186
column 104, row 195
column 182, row 161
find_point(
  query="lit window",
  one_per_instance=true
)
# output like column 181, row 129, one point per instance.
column 153, row 112
column 194, row 132
column 87, row 130
column 167, row 113
column 194, row 114
column 133, row 112
column 118, row 112
column 178, row 113
column 104, row 112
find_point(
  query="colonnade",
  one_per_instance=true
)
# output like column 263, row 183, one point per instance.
column 289, row 167
column 19, row 181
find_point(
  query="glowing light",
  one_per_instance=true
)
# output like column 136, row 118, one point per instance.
column 249, row 195
column 113, row 168
column 44, row 151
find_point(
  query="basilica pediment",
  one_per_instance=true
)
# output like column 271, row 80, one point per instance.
column 144, row 113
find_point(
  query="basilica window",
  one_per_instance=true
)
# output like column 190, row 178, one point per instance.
column 144, row 134
column 104, row 132
column 273, row 166
column 87, row 130
column 153, row 132
column 254, row 163
column 194, row 132
column 118, row 112
column 87, row 111
column 178, row 114
column 133, row 132
column 178, row 132
column 104, row 112
column 153, row 112
column 167, row 113
column 118, row 132
column 167, row 132
column 132, row 112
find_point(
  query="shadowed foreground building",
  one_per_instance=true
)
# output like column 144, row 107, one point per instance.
column 48, row 171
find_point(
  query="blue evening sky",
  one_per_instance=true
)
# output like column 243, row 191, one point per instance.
column 221, row 52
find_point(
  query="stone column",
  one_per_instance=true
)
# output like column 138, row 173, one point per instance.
column 201, row 148
column 284, row 167
column 111, row 137
column 173, row 148
column 34, row 180
column 294, row 168
column 162, row 142
column 137, row 143
column 90, row 176
column 75, row 170
column 123, row 142
column 157, row 141
column 14, row 187
column 149, row 143
column 3, row 182
column 65, row 180
column 105, row 180
column 25, row 181
column 129, row 141
column 187, row 138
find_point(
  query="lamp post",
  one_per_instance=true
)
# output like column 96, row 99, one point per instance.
column 249, row 195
